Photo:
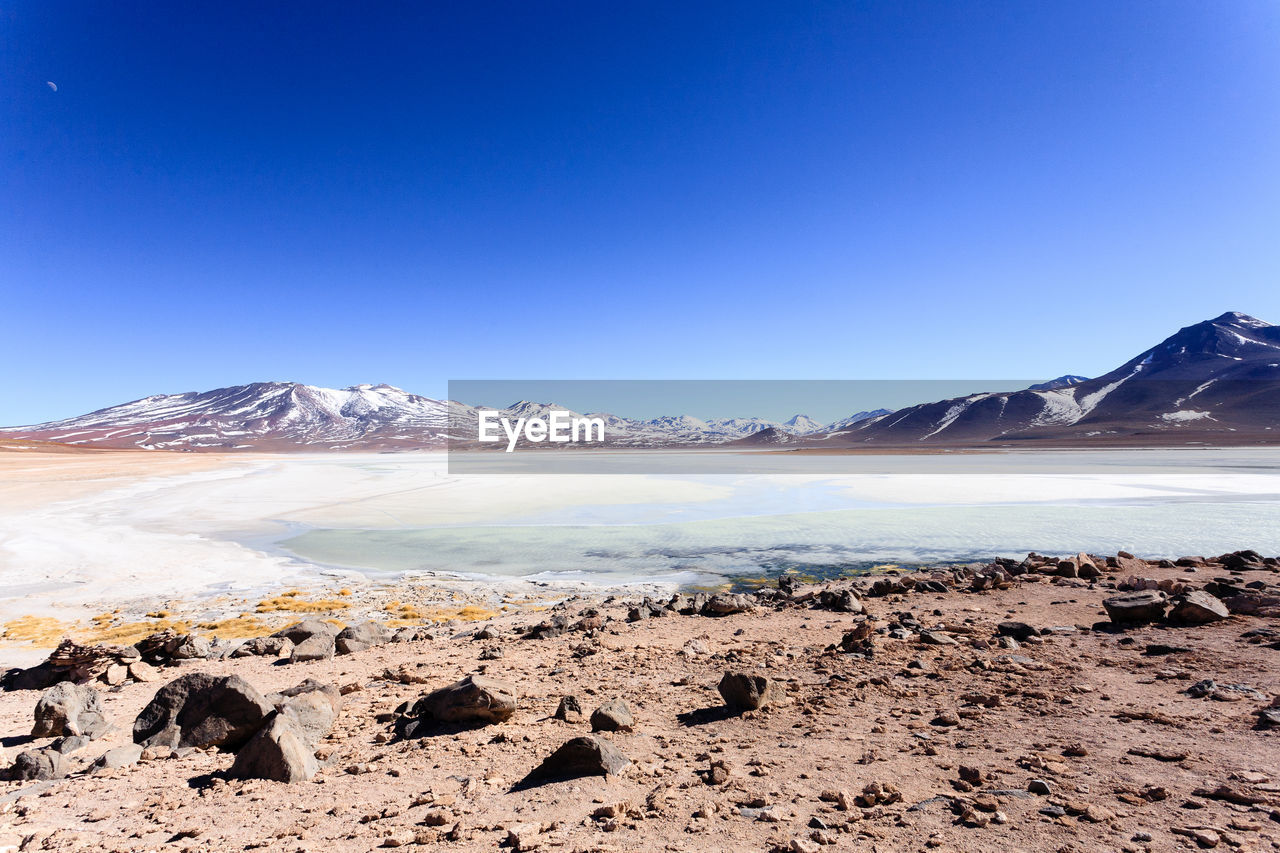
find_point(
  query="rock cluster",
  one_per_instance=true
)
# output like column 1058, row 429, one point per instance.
column 77, row 663
column 274, row 737
column 168, row 647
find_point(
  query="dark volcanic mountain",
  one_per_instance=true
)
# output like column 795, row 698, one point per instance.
column 1216, row 381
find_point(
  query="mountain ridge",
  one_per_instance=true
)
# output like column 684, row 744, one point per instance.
column 1229, row 366
column 1216, row 380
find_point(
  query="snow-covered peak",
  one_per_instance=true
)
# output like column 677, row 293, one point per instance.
column 1065, row 381
column 854, row 419
column 802, row 425
column 532, row 409
column 1235, row 318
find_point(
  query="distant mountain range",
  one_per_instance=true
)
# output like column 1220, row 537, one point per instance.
column 258, row 416
column 284, row 416
column 1217, row 381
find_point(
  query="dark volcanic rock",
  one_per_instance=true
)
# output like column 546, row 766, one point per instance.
column 305, row 630
column 1086, row 567
column 887, row 586
column 476, row 699
column 583, row 756
column 1136, row 608
column 38, row 677
column 411, row 634
column 1020, row 631
column 648, row 609
column 1197, row 608
column 937, row 638
column 569, row 710
column 202, row 710
column 264, row 646
column 548, row 628
column 70, row 744
column 312, row 640
column 612, row 716
column 745, row 691
column 1252, row 602
column 191, row 647
column 357, row 638
column 121, row 756
column 840, row 602
column 315, row 647
column 36, row 765
column 167, row 646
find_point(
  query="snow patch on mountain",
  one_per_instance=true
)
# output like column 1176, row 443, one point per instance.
column 953, row 414
column 1184, row 416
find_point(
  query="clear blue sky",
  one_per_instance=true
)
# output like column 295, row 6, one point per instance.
column 226, row 192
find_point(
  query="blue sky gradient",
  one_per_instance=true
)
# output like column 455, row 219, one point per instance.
column 226, row 192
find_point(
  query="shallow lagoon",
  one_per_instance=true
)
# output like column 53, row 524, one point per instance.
column 821, row 515
column 251, row 523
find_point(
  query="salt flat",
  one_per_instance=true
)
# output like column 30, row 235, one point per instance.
column 81, row 532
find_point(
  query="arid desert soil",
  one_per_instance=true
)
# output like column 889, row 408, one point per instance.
column 44, row 475
column 1077, row 738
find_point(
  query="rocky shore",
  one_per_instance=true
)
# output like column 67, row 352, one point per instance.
column 1081, row 703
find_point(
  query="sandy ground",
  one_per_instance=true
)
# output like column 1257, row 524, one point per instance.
column 1130, row 760
column 34, row 478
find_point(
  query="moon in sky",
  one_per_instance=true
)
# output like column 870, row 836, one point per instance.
column 52, row 85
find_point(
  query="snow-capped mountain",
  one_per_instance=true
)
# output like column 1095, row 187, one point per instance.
column 685, row 429
column 801, row 425
column 258, row 416
column 1061, row 382
column 1218, row 380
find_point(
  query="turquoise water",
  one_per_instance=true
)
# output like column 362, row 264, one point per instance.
column 708, row 550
